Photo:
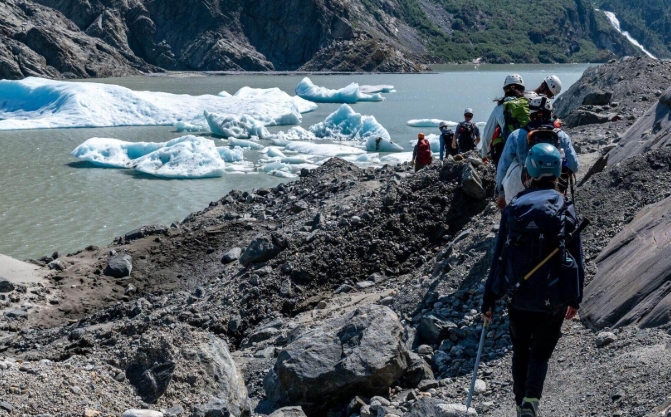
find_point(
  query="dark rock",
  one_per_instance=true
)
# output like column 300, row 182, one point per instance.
column 119, row 266
column 605, row 338
column 263, row 248
column 361, row 353
column 214, row 408
column 472, row 184
column 151, row 383
column 231, row 255
column 344, row 288
column 585, row 117
column 632, row 285
column 6, row 285
column 432, row 329
column 597, row 98
column 427, row 384
column 355, row 405
column 417, row 371
column 57, row 265
column 145, row 231
column 16, row 314
column 4, row 405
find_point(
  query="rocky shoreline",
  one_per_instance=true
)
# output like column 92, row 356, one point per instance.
column 350, row 292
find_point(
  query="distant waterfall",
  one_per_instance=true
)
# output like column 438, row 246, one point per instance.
column 616, row 24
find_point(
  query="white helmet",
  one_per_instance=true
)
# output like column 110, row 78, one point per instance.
column 515, row 79
column 540, row 103
column 554, row 84
column 468, row 111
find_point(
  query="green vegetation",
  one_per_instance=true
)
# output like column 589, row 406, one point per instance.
column 502, row 31
column 648, row 21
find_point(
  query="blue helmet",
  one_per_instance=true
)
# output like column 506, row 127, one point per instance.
column 544, row 160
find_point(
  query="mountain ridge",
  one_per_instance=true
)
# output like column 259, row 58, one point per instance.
column 100, row 38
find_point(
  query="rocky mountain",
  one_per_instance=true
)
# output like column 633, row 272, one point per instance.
column 82, row 38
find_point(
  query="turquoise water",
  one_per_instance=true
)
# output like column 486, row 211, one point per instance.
column 49, row 201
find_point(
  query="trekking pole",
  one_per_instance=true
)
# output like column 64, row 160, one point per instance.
column 571, row 236
column 477, row 363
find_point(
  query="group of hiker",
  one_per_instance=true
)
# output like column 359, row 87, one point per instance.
column 537, row 265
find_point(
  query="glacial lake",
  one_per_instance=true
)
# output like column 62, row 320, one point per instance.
column 49, row 202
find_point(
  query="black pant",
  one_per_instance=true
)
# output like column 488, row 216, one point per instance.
column 534, row 336
column 466, row 147
column 497, row 151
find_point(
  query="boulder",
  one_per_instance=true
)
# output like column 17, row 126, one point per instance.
column 432, row 330
column 119, row 266
column 430, row 407
column 288, row 412
column 361, row 353
column 216, row 407
column 151, row 382
column 228, row 383
column 597, row 98
column 417, row 371
column 604, row 339
column 581, row 117
column 651, row 131
column 632, row 282
column 471, row 183
column 231, row 255
column 6, row 285
column 263, row 248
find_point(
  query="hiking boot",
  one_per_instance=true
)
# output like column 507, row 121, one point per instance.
column 530, row 407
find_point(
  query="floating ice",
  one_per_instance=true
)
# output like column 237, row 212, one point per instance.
column 184, row 157
column 276, row 166
column 322, row 149
column 282, row 174
column 232, row 126
column 429, row 123
column 350, row 94
column 188, row 157
column 295, row 133
column 245, row 143
column 397, row 158
column 346, row 124
column 274, row 152
column 365, row 159
column 380, row 144
column 274, row 94
column 188, row 127
column 37, row 103
column 372, row 89
column 113, row 153
column 230, row 155
column 294, row 160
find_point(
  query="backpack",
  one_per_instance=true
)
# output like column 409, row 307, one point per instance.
column 545, row 133
column 448, row 135
column 424, row 156
column 516, row 113
column 536, row 225
column 466, row 135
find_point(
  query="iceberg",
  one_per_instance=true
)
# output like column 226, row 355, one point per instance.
column 322, row 149
column 346, row 124
column 232, row 126
column 188, row 127
column 274, row 152
column 430, row 123
column 38, row 103
column 187, row 157
column 276, row 166
column 184, row 157
column 350, row 94
column 293, row 160
column 372, row 89
column 380, row 144
column 397, row 158
column 231, row 155
column 282, row 174
column 245, row 144
column 274, row 94
column 295, row 133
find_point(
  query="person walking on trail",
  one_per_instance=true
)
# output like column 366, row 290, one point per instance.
column 540, row 130
column 446, row 136
column 550, row 88
column 467, row 134
column 514, row 108
column 536, row 222
column 421, row 154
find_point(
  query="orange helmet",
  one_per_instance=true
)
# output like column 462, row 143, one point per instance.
column 420, row 136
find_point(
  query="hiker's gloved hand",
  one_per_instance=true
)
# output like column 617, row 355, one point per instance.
column 501, row 203
column 571, row 313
